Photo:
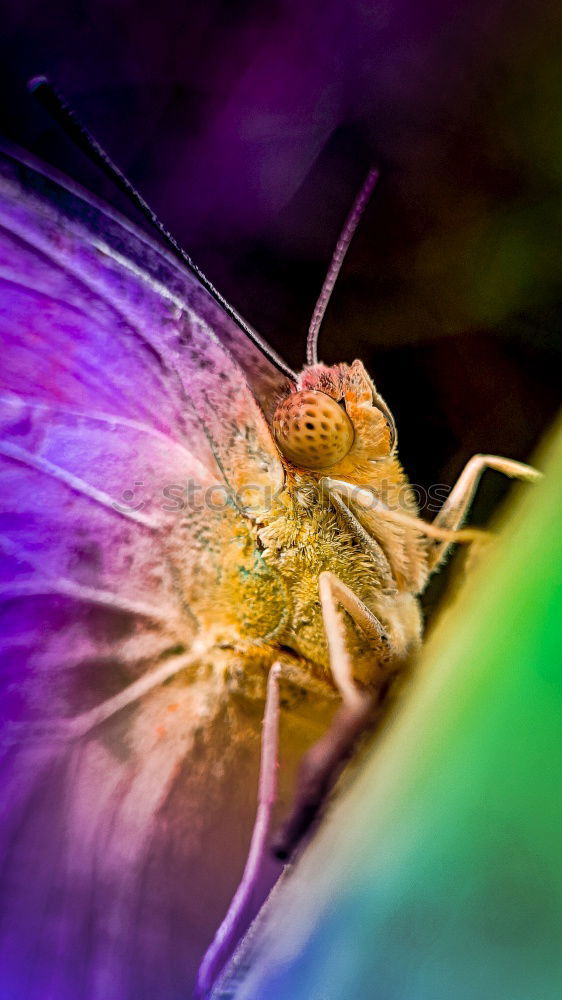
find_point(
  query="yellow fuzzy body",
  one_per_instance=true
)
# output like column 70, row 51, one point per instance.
column 304, row 536
column 265, row 597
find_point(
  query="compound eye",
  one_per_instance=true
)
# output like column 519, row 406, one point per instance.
column 312, row 430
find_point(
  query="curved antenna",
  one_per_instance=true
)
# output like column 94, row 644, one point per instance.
column 55, row 104
column 342, row 245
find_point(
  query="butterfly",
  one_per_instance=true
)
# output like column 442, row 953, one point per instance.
column 189, row 532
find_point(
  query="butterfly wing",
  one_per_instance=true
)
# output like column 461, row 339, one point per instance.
column 121, row 389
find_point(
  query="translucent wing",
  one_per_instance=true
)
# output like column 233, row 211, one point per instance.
column 121, row 384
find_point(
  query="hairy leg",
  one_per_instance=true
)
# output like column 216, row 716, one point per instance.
column 380, row 560
column 457, row 504
column 318, row 770
column 321, row 765
column 446, row 529
column 365, row 498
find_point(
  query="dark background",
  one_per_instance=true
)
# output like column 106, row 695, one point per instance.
column 249, row 127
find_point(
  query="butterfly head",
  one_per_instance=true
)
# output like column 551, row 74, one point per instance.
column 334, row 422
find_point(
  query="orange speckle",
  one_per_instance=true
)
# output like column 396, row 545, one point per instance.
column 173, row 708
column 160, row 731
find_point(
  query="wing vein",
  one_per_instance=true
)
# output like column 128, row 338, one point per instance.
column 84, row 723
column 89, row 595
column 97, row 416
column 77, row 485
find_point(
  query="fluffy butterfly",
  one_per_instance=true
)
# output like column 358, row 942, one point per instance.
column 193, row 540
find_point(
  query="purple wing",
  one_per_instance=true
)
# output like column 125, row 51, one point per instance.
column 121, row 382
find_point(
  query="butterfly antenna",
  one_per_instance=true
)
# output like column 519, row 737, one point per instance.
column 58, row 108
column 342, row 245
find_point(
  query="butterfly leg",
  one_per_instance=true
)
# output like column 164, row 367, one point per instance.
column 321, row 765
column 456, row 506
column 343, row 495
column 445, row 530
column 228, row 933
